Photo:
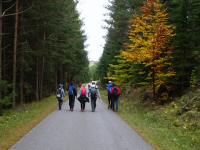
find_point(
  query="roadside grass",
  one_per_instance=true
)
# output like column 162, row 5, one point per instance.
column 161, row 126
column 14, row 124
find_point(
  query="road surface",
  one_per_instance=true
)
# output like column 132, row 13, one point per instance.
column 65, row 130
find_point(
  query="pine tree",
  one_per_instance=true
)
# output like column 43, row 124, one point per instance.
column 120, row 13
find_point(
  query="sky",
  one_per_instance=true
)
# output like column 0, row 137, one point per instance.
column 92, row 14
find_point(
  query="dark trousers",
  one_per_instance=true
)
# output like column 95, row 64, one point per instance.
column 93, row 103
column 115, row 103
column 60, row 103
column 112, row 103
column 109, row 100
column 71, row 101
column 82, row 105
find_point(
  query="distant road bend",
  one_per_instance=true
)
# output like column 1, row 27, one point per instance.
column 65, row 130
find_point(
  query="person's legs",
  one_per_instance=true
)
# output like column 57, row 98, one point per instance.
column 112, row 103
column 70, row 101
column 95, row 103
column 73, row 101
column 92, row 104
column 83, row 105
column 109, row 100
column 60, row 104
column 116, row 104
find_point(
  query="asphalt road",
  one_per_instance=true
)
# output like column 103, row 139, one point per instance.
column 65, row 130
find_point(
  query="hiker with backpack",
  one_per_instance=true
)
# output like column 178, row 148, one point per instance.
column 83, row 98
column 93, row 93
column 72, row 93
column 109, row 90
column 116, row 92
column 60, row 94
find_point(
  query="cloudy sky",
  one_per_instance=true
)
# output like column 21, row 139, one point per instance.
column 92, row 13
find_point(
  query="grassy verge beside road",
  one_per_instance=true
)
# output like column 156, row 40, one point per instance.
column 161, row 126
column 14, row 124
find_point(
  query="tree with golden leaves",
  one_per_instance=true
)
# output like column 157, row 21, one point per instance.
column 150, row 35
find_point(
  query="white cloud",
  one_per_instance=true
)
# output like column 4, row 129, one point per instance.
column 92, row 13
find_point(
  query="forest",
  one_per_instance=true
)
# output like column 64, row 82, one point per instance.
column 155, row 44
column 152, row 53
column 41, row 45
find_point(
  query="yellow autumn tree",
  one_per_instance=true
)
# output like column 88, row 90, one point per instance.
column 150, row 35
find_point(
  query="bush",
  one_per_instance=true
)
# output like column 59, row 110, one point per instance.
column 6, row 102
column 6, row 95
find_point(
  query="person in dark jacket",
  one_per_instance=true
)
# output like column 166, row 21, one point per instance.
column 72, row 93
column 116, row 92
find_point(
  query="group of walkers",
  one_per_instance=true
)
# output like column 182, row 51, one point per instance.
column 91, row 92
column 113, row 96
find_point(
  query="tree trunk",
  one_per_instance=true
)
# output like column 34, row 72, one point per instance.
column 21, row 63
column 1, row 49
column 37, row 79
column 56, row 79
column 15, row 52
column 153, row 83
column 1, row 34
column 42, row 71
column 42, row 77
column 21, row 81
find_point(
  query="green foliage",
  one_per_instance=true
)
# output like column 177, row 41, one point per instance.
column 93, row 72
column 6, row 95
column 127, row 73
column 6, row 102
column 185, row 15
column 195, row 79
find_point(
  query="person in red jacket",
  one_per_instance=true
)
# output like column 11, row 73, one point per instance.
column 116, row 92
column 83, row 98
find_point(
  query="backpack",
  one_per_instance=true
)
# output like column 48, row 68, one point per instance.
column 115, row 92
column 93, row 92
column 71, row 90
column 59, row 93
column 110, row 88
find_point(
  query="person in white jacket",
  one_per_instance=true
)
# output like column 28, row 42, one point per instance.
column 60, row 94
column 94, row 94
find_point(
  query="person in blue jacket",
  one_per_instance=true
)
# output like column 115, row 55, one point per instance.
column 72, row 93
column 109, row 90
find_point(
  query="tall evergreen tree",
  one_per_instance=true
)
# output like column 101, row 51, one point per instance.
column 185, row 15
column 120, row 13
column 48, row 47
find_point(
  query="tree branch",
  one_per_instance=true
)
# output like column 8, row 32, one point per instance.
column 8, row 9
column 17, row 13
